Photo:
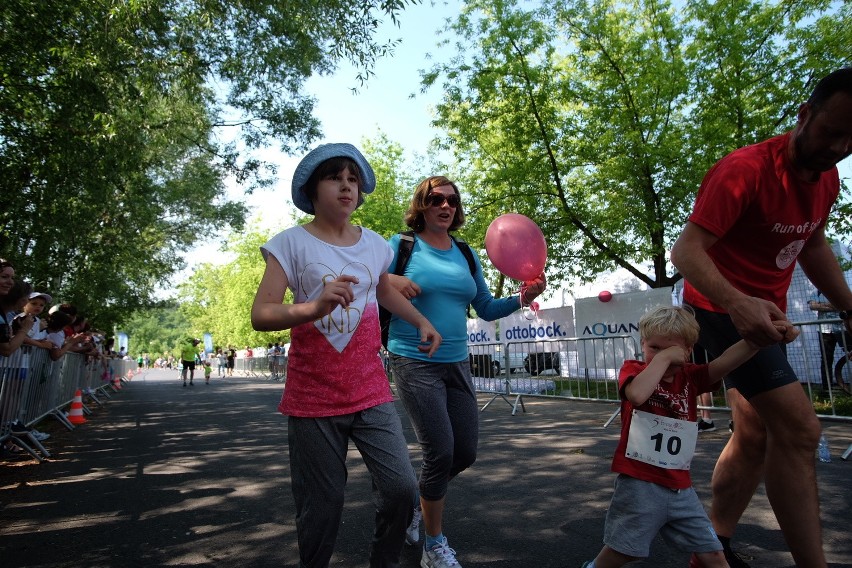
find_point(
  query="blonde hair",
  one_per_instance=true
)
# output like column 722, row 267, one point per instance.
column 670, row 321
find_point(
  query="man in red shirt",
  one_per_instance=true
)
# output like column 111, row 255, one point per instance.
column 759, row 210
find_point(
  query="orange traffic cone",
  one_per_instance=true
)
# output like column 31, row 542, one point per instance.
column 75, row 414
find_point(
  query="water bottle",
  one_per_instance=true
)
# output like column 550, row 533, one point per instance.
column 822, row 450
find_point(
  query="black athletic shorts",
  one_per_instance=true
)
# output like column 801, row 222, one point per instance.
column 767, row 370
column 189, row 365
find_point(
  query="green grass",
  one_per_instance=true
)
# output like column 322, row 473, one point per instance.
column 842, row 403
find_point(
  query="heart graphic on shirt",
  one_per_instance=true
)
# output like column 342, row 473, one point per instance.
column 339, row 325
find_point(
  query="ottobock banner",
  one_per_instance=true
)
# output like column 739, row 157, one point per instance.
column 551, row 324
column 617, row 317
column 480, row 331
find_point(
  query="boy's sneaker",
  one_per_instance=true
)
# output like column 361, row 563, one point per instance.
column 439, row 556
column 412, row 533
column 19, row 428
column 706, row 425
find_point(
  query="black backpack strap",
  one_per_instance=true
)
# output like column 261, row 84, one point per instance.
column 471, row 263
column 403, row 254
column 468, row 254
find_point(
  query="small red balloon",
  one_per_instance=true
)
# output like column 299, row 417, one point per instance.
column 605, row 296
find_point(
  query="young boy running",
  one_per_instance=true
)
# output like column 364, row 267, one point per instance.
column 653, row 490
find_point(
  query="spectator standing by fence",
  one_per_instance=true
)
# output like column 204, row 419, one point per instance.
column 37, row 336
column 831, row 336
column 776, row 197
column 11, row 340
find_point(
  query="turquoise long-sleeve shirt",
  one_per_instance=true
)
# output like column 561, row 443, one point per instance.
column 447, row 287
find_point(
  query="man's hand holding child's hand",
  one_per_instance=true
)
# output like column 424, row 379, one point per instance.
column 787, row 329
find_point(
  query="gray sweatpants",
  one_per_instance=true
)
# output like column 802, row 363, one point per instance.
column 441, row 402
column 318, row 448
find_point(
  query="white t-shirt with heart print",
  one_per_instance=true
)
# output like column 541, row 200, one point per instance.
column 334, row 366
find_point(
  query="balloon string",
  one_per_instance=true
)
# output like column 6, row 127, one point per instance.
column 532, row 313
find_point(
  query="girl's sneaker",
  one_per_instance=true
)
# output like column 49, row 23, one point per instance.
column 412, row 533
column 439, row 556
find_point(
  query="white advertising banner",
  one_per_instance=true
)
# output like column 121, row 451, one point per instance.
column 480, row 331
column 618, row 316
column 553, row 323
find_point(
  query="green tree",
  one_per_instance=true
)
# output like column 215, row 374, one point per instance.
column 157, row 330
column 384, row 209
column 598, row 120
column 113, row 148
column 217, row 298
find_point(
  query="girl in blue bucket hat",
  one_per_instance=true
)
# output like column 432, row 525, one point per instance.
column 337, row 389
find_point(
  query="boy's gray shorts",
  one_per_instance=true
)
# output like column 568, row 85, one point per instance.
column 640, row 510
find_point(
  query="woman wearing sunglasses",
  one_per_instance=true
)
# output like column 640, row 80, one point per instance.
column 438, row 392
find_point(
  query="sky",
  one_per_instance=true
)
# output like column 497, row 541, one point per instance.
column 385, row 103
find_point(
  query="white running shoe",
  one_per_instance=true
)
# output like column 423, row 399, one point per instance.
column 412, row 533
column 439, row 556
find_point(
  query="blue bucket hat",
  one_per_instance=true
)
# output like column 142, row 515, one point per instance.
column 317, row 156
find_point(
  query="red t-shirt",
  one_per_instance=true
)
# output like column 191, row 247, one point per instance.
column 763, row 215
column 675, row 400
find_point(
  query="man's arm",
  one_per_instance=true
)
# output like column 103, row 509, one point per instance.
column 821, row 306
column 751, row 316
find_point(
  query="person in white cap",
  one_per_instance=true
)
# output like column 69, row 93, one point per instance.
column 36, row 305
column 337, row 389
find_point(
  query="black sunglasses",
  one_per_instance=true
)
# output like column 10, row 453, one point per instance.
column 438, row 199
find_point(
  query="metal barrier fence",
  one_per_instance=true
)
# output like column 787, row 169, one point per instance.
column 267, row 367
column 587, row 369
column 582, row 368
column 34, row 387
column 574, row 368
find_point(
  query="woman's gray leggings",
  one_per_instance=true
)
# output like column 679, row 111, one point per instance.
column 441, row 403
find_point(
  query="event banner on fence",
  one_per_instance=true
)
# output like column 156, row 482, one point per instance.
column 548, row 325
column 612, row 315
column 480, row 331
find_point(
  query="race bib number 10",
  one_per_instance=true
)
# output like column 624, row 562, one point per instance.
column 661, row 441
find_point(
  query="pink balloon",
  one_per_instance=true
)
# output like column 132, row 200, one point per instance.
column 516, row 246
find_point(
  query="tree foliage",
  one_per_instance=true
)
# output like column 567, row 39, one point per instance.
column 158, row 331
column 119, row 121
column 599, row 119
column 217, row 297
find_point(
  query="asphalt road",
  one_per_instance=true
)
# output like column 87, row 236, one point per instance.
column 167, row 476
